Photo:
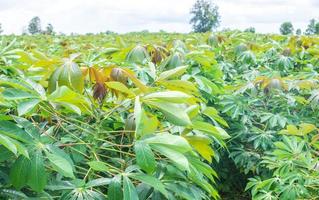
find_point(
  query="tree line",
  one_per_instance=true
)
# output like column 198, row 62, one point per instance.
column 205, row 17
column 287, row 28
column 34, row 27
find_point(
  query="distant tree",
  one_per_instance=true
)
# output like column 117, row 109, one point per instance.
column 205, row 16
column 250, row 29
column 108, row 32
column 286, row 28
column 34, row 26
column 1, row 30
column 298, row 31
column 317, row 28
column 311, row 29
column 162, row 31
column 49, row 29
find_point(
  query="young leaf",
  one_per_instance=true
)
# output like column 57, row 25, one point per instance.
column 307, row 128
column 202, row 146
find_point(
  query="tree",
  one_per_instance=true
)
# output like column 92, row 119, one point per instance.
column 34, row 25
column 1, row 30
column 286, row 28
column 317, row 28
column 250, row 29
column 205, row 16
column 311, row 27
column 49, row 29
column 298, row 31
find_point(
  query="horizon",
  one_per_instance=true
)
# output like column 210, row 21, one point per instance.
column 81, row 17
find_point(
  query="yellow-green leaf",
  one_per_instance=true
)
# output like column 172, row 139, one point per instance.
column 119, row 87
column 202, row 146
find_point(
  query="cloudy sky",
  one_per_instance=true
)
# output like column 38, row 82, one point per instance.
column 82, row 16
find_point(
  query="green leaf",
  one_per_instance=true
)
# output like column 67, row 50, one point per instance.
column 37, row 174
column 168, row 96
column 145, row 157
column 176, row 142
column 152, row 181
column 178, row 71
column 98, row 182
column 144, row 125
column 175, row 156
column 32, row 130
column 13, row 131
column 210, row 129
column 173, row 112
column 98, row 166
column 70, row 99
column 26, row 106
column 7, row 143
column 129, row 189
column 17, row 94
column 19, row 172
column 20, row 148
column 61, row 165
column 212, row 113
column 115, row 191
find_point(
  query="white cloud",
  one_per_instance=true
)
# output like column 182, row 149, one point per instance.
column 83, row 16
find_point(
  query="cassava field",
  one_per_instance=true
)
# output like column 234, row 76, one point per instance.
column 145, row 116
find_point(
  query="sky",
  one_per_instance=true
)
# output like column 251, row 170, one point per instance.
column 84, row 16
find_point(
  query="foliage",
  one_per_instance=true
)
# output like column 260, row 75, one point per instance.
column 96, row 117
column 286, row 28
column 271, row 108
column 205, row 16
column 148, row 116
